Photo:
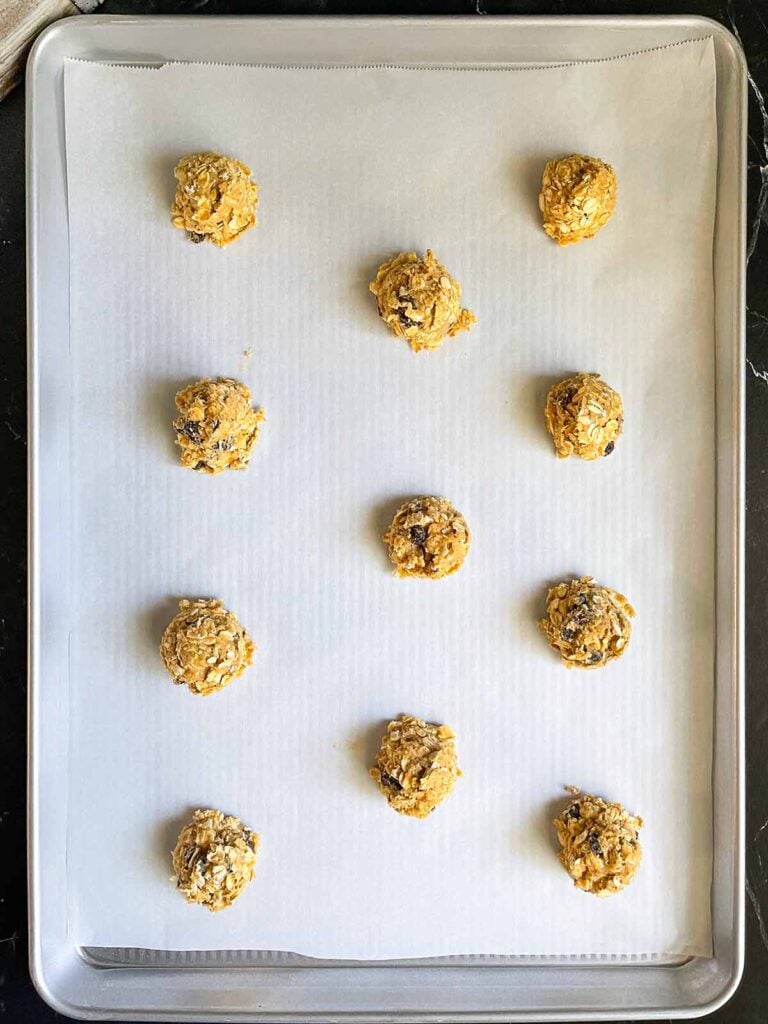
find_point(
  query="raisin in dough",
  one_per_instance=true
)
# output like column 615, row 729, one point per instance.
column 420, row 301
column 577, row 198
column 416, row 767
column 205, row 647
column 217, row 428
column 214, row 859
column 588, row 625
column 599, row 843
column 584, row 416
column 428, row 538
column 215, row 198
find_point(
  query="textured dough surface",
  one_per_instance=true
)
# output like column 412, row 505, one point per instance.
column 577, row 198
column 205, row 647
column 214, row 859
column 217, row 428
column 416, row 767
column 215, row 198
column 428, row 538
column 584, row 416
column 599, row 843
column 420, row 301
column 588, row 625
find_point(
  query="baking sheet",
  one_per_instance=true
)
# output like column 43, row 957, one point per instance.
column 408, row 158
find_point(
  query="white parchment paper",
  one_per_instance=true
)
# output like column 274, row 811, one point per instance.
column 356, row 165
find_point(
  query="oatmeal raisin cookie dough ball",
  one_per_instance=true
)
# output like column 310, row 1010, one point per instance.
column 416, row 767
column 420, row 301
column 587, row 624
column 205, row 647
column 215, row 198
column 217, row 427
column 428, row 538
column 577, row 198
column 214, row 859
column 585, row 416
column 600, row 848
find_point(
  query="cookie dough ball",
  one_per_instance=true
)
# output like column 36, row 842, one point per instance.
column 599, row 843
column 205, row 646
column 217, row 428
column 428, row 539
column 214, row 859
column 215, row 198
column 584, row 416
column 588, row 625
column 416, row 768
column 577, row 198
column 420, row 301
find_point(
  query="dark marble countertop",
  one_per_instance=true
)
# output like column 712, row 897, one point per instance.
column 749, row 20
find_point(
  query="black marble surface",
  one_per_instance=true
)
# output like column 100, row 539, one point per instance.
column 749, row 19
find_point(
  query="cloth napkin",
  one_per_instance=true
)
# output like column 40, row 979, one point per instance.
column 20, row 23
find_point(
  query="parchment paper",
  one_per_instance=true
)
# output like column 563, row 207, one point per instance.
column 356, row 165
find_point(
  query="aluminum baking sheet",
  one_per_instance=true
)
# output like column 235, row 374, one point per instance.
column 83, row 411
